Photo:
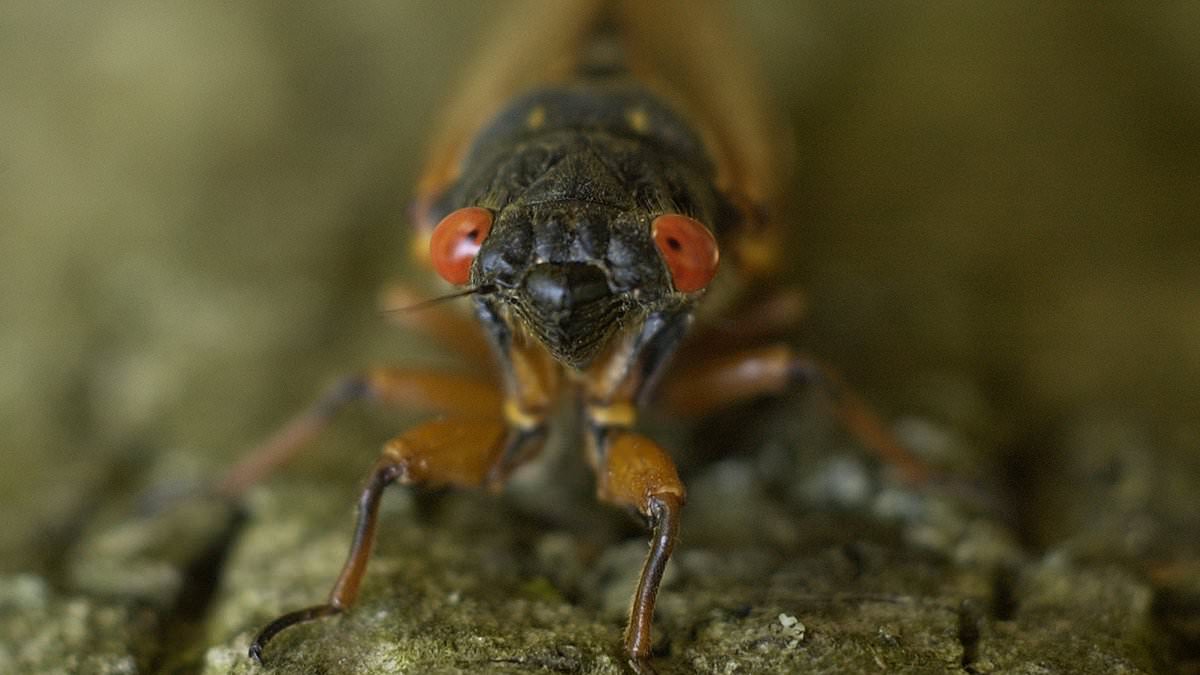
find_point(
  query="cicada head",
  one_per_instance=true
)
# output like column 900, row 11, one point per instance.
column 580, row 234
column 571, row 273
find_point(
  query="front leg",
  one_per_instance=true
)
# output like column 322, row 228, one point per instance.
column 456, row 452
column 472, row 449
column 634, row 471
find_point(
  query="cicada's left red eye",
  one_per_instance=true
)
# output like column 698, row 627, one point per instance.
column 456, row 241
column 689, row 250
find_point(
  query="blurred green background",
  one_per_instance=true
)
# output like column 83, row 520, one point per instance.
column 199, row 201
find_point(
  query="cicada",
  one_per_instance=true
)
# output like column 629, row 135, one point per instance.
column 607, row 183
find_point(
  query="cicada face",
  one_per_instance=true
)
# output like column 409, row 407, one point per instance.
column 572, row 273
column 588, row 230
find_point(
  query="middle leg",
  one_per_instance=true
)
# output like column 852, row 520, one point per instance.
column 401, row 388
column 772, row 370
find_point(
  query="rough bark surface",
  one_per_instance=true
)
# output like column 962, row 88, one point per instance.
column 994, row 221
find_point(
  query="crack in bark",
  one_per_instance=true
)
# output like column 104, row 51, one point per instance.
column 181, row 641
column 1004, row 598
column 60, row 536
column 1177, row 622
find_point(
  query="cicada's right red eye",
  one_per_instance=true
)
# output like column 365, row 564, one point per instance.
column 689, row 250
column 456, row 241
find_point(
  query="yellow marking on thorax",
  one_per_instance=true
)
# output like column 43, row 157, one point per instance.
column 418, row 247
column 757, row 255
column 638, row 120
column 621, row 414
column 536, row 117
column 518, row 417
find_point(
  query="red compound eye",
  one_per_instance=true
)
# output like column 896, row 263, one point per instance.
column 456, row 240
column 689, row 250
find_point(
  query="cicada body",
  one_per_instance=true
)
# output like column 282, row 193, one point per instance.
column 607, row 176
column 592, row 200
column 600, row 187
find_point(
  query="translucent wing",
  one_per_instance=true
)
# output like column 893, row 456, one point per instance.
column 694, row 54
column 537, row 41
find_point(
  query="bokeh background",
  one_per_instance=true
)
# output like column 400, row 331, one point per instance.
column 199, row 202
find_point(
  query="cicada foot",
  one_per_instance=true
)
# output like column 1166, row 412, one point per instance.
column 641, row 665
column 286, row 621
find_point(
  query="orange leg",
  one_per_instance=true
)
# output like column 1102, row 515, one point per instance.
column 636, row 472
column 457, row 452
column 769, row 318
column 771, row 371
column 416, row 390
